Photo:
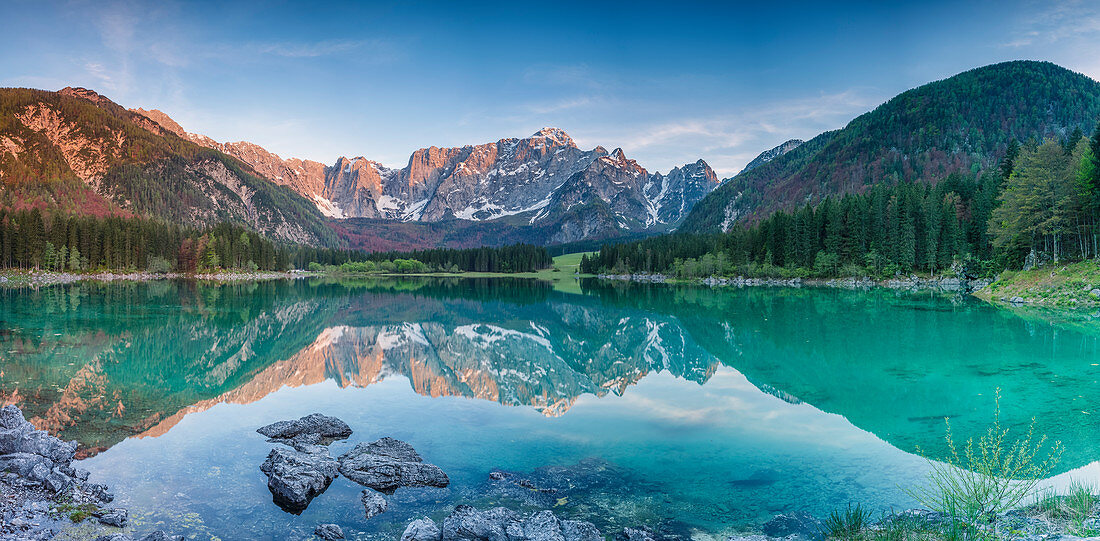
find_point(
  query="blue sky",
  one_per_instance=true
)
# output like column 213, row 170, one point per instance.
column 669, row 82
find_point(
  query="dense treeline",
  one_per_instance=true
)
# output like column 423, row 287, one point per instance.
column 30, row 239
column 515, row 258
column 1043, row 202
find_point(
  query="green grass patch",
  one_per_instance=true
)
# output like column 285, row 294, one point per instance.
column 1066, row 284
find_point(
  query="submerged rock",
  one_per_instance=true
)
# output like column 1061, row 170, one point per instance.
column 635, row 534
column 161, row 536
column 329, row 532
column 373, row 503
column 295, row 477
column 388, row 464
column 500, row 524
column 543, row 487
column 113, row 517
column 799, row 524
column 422, row 530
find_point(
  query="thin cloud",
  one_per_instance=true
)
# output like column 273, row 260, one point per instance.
column 314, row 49
column 728, row 142
column 561, row 105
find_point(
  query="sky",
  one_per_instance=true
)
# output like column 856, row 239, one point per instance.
column 668, row 82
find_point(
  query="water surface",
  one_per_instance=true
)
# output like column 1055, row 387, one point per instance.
column 693, row 410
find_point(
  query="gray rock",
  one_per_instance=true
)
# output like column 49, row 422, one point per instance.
column 11, row 417
column 161, row 536
column 114, row 537
column 24, row 464
column 469, row 524
column 19, row 437
column 388, row 464
column 322, row 426
column 98, row 492
column 1095, row 292
column 1016, row 300
column 575, row 530
column 295, row 478
column 57, row 481
column 373, row 503
column 500, row 524
column 116, row 517
column 756, row 537
column 329, row 531
column 635, row 534
column 422, row 530
column 541, row 526
column 798, row 523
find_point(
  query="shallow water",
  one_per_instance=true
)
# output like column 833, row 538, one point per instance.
column 697, row 411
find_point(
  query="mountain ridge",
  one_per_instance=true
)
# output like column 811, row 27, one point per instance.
column 76, row 151
column 962, row 123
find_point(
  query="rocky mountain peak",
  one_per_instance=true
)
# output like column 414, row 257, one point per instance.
column 162, row 118
column 556, row 135
column 84, row 93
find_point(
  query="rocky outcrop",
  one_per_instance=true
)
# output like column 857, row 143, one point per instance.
column 388, row 464
column 773, row 153
column 296, row 477
column 35, row 456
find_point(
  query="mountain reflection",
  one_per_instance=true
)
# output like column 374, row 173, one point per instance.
column 99, row 363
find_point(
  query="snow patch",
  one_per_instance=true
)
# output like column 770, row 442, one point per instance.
column 328, row 208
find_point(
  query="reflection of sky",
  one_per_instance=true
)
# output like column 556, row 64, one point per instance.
column 719, row 455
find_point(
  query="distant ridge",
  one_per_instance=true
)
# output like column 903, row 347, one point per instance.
column 960, row 124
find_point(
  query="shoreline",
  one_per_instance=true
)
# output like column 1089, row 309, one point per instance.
column 911, row 283
column 47, row 278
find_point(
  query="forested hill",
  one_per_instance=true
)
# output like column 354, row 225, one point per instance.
column 75, row 152
column 960, row 124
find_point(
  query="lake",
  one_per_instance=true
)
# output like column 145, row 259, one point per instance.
column 692, row 410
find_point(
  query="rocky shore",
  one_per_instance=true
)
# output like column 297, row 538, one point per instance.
column 43, row 494
column 908, row 283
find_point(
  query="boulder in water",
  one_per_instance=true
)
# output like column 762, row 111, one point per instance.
column 329, row 532
column 296, row 477
column 309, row 430
column 422, row 530
column 388, row 464
column 373, row 503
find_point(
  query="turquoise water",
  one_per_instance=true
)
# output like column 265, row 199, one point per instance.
column 696, row 411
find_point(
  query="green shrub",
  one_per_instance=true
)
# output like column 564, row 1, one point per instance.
column 849, row 524
column 158, row 265
column 986, row 477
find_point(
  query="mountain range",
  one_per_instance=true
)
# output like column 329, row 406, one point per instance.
column 77, row 151
column 532, row 184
